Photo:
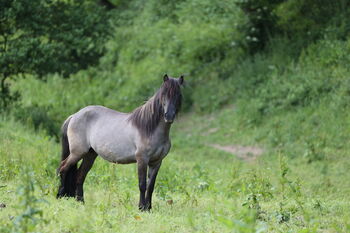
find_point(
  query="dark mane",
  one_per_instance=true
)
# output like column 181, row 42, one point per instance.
column 147, row 117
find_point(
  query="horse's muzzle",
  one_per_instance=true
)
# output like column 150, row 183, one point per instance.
column 168, row 120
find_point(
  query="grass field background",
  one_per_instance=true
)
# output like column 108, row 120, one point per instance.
column 199, row 188
column 262, row 141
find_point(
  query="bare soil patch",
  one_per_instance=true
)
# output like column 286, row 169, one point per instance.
column 247, row 153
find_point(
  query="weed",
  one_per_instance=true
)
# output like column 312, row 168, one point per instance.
column 30, row 215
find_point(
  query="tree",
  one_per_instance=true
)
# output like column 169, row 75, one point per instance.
column 40, row 37
column 261, row 23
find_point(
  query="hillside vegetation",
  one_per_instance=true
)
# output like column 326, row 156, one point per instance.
column 270, row 74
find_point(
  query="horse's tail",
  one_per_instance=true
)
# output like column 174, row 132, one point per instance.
column 70, row 177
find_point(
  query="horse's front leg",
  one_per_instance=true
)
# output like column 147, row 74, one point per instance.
column 142, row 175
column 152, row 175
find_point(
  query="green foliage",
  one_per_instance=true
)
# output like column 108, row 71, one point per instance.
column 290, row 95
column 199, row 188
column 39, row 118
column 278, row 85
column 27, row 220
column 307, row 20
column 261, row 24
column 201, row 45
column 41, row 37
column 302, row 21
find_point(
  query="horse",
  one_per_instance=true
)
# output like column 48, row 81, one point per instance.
column 141, row 137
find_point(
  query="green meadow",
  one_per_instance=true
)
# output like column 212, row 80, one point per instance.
column 261, row 144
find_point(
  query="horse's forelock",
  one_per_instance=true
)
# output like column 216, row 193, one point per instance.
column 171, row 88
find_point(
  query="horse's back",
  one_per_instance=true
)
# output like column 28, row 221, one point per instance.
column 83, row 120
column 97, row 110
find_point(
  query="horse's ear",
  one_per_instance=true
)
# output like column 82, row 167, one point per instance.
column 165, row 78
column 181, row 80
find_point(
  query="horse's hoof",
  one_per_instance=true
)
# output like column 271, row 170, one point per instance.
column 144, row 208
column 80, row 199
column 61, row 193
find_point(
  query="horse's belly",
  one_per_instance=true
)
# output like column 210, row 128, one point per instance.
column 115, row 142
column 116, row 154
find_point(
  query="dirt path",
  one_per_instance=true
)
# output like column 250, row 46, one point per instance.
column 247, row 153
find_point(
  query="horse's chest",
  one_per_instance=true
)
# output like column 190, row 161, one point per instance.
column 159, row 151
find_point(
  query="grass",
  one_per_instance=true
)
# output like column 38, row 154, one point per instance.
column 295, row 186
column 290, row 99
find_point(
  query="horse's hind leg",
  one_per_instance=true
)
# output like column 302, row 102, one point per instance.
column 83, row 170
column 68, row 162
column 68, row 181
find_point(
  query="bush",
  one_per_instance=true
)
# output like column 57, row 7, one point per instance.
column 307, row 20
column 301, row 21
column 319, row 73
